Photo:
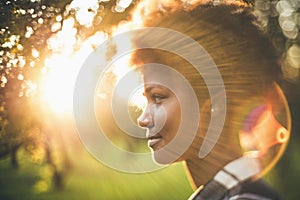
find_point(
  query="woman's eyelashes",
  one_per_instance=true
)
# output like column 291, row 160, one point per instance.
column 156, row 95
column 157, row 98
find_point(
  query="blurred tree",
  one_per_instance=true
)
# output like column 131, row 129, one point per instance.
column 25, row 29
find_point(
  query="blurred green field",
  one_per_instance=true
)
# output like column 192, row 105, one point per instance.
column 89, row 179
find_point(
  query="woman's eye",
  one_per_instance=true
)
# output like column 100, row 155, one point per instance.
column 157, row 99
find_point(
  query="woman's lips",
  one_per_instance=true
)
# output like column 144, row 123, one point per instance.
column 153, row 140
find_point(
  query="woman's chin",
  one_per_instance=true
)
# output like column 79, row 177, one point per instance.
column 165, row 157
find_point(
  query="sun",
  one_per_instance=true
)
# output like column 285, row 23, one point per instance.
column 61, row 68
column 58, row 85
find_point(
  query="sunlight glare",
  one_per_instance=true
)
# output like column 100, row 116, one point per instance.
column 138, row 99
column 85, row 11
column 120, row 69
column 58, row 85
column 61, row 68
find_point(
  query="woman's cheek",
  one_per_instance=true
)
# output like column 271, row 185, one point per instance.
column 159, row 117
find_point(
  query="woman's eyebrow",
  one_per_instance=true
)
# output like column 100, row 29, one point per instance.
column 149, row 87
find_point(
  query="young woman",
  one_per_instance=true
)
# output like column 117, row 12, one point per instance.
column 210, row 78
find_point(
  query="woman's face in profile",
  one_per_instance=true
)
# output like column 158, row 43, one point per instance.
column 162, row 115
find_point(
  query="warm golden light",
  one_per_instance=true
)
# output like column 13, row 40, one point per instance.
column 61, row 68
column 58, row 85
column 122, row 68
column 133, row 86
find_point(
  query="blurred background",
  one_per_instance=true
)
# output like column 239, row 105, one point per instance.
column 43, row 44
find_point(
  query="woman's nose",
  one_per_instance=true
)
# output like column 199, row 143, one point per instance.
column 145, row 119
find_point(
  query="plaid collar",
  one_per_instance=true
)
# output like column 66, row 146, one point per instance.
column 227, row 179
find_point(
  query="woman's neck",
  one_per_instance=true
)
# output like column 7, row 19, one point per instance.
column 200, row 171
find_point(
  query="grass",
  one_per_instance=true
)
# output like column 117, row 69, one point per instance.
column 88, row 179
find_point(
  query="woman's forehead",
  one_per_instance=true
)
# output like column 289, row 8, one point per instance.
column 158, row 74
